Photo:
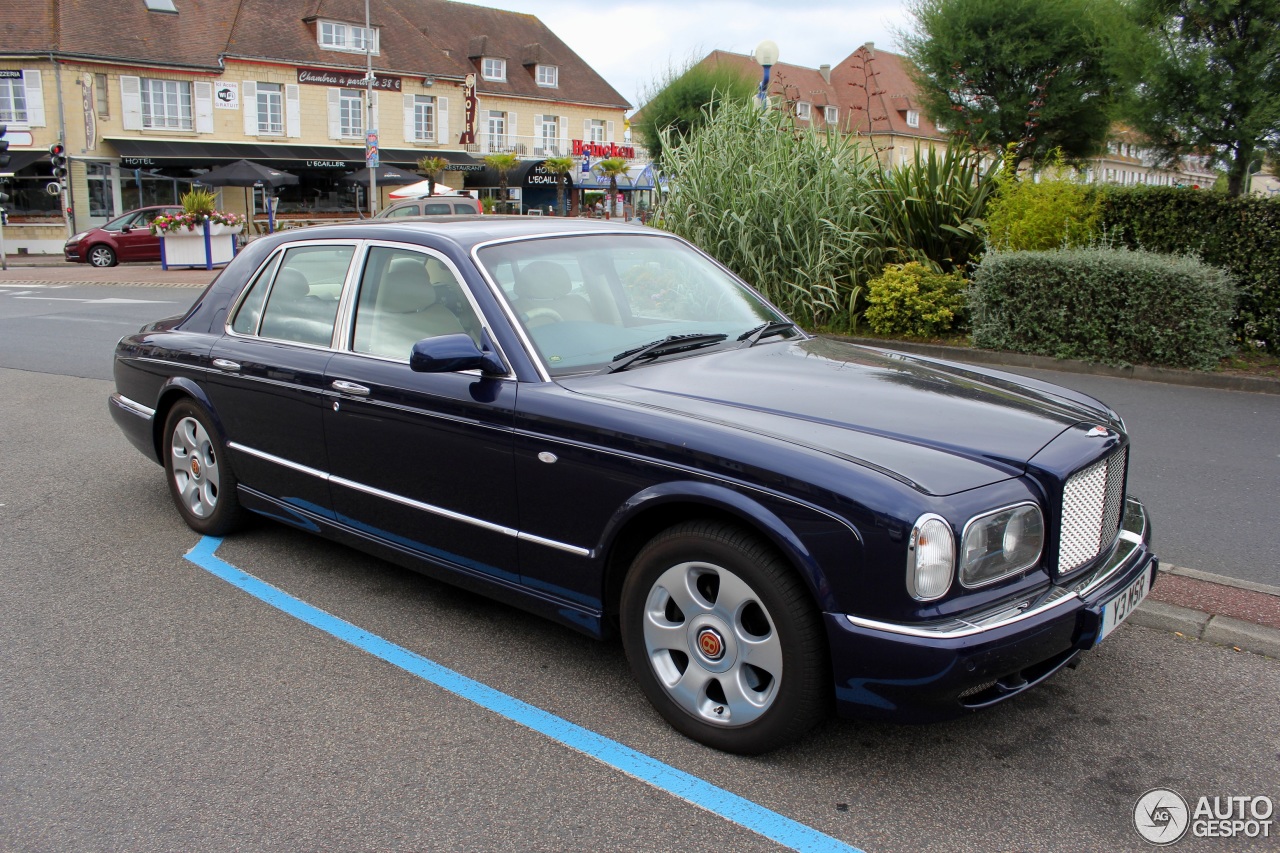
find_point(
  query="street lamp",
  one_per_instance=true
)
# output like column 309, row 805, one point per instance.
column 766, row 55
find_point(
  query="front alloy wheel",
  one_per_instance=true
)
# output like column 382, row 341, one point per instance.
column 102, row 256
column 723, row 638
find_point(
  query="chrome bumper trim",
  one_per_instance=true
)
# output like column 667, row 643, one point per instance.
column 1134, row 533
column 132, row 406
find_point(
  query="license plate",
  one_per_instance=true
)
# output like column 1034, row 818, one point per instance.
column 1118, row 609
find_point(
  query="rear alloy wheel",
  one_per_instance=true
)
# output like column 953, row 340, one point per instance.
column 200, row 480
column 102, row 256
column 724, row 639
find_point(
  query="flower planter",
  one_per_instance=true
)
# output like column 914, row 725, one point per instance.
column 190, row 248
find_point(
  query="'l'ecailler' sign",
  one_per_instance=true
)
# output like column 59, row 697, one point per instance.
column 346, row 79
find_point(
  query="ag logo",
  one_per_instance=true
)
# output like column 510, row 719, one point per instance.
column 1161, row 816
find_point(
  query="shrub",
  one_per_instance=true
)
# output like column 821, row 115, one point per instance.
column 1241, row 235
column 912, row 300
column 1110, row 305
column 1052, row 213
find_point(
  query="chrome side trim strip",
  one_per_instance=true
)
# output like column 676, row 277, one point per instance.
column 411, row 503
column 267, row 457
column 132, row 406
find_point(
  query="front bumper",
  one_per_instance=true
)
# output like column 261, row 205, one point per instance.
column 930, row 671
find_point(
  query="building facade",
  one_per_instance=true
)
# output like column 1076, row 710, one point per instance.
column 163, row 90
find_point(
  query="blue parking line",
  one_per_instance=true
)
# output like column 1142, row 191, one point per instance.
column 664, row 777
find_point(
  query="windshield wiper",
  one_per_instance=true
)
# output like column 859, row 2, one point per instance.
column 765, row 330
column 665, row 346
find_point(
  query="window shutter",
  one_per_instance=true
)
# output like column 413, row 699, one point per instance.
column 586, row 130
column 513, row 136
column 538, row 144
column 292, row 110
column 410, row 132
column 31, row 82
column 249, row 103
column 204, row 106
column 442, row 121
column 563, row 123
column 131, row 102
column 608, row 133
column 335, row 118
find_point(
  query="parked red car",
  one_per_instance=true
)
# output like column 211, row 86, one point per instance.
column 125, row 238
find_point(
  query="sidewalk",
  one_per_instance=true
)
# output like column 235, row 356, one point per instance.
column 1192, row 604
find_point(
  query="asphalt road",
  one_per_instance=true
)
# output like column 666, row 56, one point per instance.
column 147, row 704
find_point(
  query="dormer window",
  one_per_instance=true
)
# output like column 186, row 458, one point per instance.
column 493, row 69
column 913, row 118
column 332, row 35
column 831, row 115
column 803, row 110
column 549, row 76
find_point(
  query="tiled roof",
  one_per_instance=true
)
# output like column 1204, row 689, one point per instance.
column 876, row 91
column 793, row 82
column 416, row 38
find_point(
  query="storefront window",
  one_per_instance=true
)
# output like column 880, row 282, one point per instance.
column 98, row 176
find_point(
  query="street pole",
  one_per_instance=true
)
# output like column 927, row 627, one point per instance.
column 368, row 100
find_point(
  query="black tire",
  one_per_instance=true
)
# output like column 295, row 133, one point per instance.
column 771, row 681
column 101, row 256
column 198, row 471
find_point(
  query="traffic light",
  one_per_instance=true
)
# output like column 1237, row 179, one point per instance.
column 4, row 146
column 58, row 160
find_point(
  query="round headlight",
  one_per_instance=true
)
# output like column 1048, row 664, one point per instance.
column 1000, row 544
column 931, row 558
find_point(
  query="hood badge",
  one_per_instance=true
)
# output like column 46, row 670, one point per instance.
column 1098, row 432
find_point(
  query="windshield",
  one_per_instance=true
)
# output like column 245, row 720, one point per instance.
column 584, row 300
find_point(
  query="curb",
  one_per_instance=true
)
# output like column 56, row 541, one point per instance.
column 1197, row 379
column 1211, row 628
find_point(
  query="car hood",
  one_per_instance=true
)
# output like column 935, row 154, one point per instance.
column 940, row 427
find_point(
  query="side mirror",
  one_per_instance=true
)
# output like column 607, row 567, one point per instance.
column 452, row 354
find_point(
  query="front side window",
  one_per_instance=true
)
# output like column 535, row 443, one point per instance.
column 494, row 69
column 166, row 104
column 585, row 299
column 350, row 112
column 270, row 108
column 405, row 297
column 13, row 100
column 424, row 118
column 548, row 75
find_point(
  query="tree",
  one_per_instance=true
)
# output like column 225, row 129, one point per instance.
column 1037, row 75
column 680, row 101
column 560, row 167
column 611, row 169
column 502, row 164
column 432, row 167
column 1211, row 82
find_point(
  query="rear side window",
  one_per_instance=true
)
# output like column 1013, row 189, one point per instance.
column 436, row 208
column 250, row 311
column 407, row 210
column 303, row 299
column 464, row 208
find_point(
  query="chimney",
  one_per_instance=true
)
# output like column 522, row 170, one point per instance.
column 825, row 71
column 870, row 47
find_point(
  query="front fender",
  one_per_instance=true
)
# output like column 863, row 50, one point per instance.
column 810, row 538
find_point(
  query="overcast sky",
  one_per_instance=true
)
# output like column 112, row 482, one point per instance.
column 631, row 44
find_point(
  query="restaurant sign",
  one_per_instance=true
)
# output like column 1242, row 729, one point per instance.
column 346, row 79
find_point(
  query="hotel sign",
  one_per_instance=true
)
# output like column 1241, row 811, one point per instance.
column 346, row 79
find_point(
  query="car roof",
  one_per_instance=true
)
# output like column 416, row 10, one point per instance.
column 463, row 231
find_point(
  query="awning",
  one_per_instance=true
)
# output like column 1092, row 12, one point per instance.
column 135, row 153
column 19, row 160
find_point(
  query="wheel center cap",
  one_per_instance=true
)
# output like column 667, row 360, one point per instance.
column 711, row 644
column 195, row 467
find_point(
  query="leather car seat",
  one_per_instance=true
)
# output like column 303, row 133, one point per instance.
column 543, row 293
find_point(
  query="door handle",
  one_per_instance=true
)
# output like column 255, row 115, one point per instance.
column 225, row 364
column 349, row 388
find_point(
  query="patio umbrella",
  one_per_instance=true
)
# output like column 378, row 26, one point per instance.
column 246, row 173
column 387, row 175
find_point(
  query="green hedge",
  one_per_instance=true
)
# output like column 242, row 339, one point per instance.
column 1241, row 235
column 1109, row 305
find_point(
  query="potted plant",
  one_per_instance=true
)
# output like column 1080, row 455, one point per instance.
column 201, row 235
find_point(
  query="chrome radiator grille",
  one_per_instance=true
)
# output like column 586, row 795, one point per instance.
column 1091, row 506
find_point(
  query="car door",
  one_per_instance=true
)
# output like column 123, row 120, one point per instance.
column 269, row 389
column 420, row 460
column 135, row 242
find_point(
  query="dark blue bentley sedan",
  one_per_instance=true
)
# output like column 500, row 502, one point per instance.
column 602, row 425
